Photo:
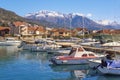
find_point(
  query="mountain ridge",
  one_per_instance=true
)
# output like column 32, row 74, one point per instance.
column 67, row 20
column 54, row 19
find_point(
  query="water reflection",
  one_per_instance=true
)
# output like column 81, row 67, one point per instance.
column 77, row 72
column 7, row 53
column 68, row 67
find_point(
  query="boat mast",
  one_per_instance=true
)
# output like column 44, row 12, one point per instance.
column 70, row 25
column 83, row 26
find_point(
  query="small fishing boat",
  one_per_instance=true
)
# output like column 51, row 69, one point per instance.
column 111, row 45
column 108, row 67
column 94, row 63
column 46, row 48
column 27, row 45
column 77, row 55
column 89, row 42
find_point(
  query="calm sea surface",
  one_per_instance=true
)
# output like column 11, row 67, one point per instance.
column 25, row 65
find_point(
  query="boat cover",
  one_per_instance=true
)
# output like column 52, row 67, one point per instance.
column 113, row 64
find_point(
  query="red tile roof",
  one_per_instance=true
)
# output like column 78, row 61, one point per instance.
column 109, row 31
column 40, row 28
column 18, row 23
column 4, row 28
column 60, row 30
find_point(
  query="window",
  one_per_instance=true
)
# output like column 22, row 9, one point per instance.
column 80, row 49
column 91, row 54
column 60, row 32
column 84, row 55
column 72, row 51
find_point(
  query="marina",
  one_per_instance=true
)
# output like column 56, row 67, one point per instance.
column 18, row 64
column 60, row 40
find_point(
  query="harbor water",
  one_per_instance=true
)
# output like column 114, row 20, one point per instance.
column 25, row 65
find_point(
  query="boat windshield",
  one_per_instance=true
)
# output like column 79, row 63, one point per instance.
column 72, row 51
column 91, row 55
column 80, row 49
column 84, row 55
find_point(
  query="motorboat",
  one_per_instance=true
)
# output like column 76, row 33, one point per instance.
column 108, row 67
column 94, row 63
column 77, row 55
column 24, row 45
column 111, row 45
column 89, row 42
column 10, row 42
column 46, row 48
column 37, row 47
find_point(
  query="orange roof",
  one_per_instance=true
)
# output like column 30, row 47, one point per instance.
column 80, row 29
column 4, row 28
column 18, row 23
column 60, row 30
column 54, row 30
column 109, row 31
column 40, row 28
column 64, row 30
column 31, row 28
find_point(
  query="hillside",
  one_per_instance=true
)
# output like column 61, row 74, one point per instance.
column 7, row 16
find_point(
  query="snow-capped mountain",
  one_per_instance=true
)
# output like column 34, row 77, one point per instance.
column 46, row 13
column 104, row 22
column 109, row 24
column 65, row 20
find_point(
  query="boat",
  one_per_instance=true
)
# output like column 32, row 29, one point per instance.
column 10, row 42
column 111, row 45
column 26, row 45
column 89, row 42
column 46, row 47
column 94, row 63
column 77, row 55
column 112, row 68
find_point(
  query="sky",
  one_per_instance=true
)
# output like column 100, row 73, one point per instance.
column 94, row 9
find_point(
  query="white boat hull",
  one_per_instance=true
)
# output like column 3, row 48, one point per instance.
column 10, row 43
column 72, row 61
column 112, row 71
column 94, row 63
